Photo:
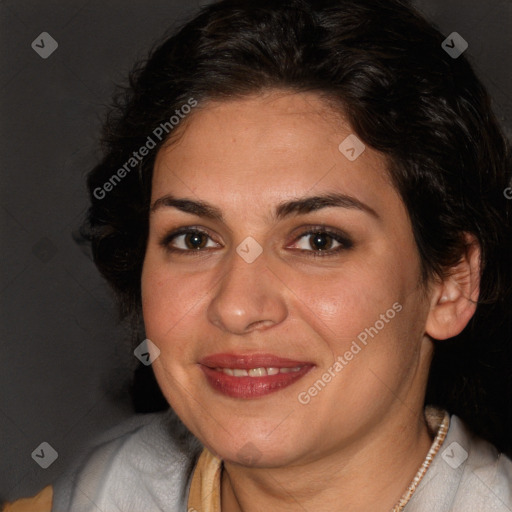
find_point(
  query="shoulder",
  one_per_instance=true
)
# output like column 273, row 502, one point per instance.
column 468, row 474
column 486, row 480
column 144, row 463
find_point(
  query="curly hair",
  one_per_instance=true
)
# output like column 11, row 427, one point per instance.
column 402, row 94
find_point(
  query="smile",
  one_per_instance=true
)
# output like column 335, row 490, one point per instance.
column 251, row 376
column 257, row 372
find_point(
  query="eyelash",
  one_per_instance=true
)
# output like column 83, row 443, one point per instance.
column 343, row 240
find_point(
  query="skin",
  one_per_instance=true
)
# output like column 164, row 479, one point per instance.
column 360, row 441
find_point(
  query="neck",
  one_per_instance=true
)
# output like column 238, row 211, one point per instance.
column 370, row 476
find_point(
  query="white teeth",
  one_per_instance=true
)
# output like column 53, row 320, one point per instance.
column 257, row 372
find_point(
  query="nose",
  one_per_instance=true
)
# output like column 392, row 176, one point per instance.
column 248, row 297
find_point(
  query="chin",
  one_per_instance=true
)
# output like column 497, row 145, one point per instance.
column 257, row 451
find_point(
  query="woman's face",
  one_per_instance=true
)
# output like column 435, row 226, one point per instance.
column 323, row 294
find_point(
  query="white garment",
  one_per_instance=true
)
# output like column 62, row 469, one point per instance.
column 481, row 483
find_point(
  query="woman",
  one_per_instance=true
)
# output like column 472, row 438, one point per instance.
column 304, row 204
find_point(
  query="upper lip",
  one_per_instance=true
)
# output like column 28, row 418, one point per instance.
column 248, row 361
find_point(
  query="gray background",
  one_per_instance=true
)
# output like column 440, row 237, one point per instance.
column 65, row 366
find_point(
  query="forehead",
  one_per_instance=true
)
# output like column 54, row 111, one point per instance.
column 255, row 150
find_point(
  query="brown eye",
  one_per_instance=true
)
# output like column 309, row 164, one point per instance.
column 195, row 240
column 186, row 241
column 321, row 241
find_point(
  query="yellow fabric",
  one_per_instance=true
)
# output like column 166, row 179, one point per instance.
column 41, row 502
column 205, row 487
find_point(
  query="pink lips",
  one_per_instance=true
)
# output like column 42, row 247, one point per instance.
column 250, row 387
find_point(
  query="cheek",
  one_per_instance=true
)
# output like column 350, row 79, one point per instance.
column 344, row 303
column 367, row 325
column 166, row 297
column 157, row 306
column 359, row 314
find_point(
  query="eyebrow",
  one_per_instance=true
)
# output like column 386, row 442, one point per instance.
column 300, row 206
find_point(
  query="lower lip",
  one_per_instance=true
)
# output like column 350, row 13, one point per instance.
column 251, row 387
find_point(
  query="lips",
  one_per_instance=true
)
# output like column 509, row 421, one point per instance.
column 251, row 376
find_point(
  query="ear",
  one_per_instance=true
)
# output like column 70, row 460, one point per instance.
column 454, row 299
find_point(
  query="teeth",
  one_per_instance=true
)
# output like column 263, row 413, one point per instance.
column 257, row 372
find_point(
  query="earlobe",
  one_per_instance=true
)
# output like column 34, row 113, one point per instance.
column 454, row 299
